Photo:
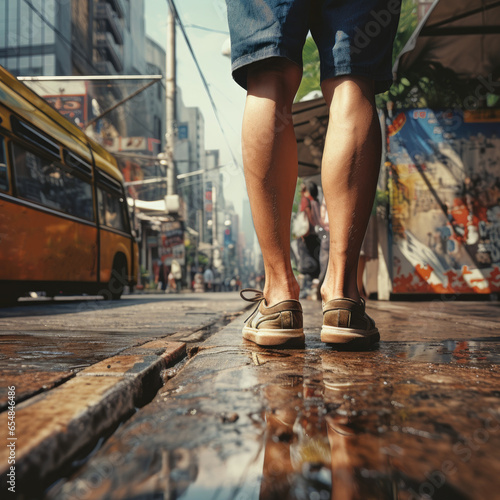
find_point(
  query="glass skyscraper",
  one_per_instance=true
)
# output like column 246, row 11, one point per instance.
column 66, row 37
column 28, row 43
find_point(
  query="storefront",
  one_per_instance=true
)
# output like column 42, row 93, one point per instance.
column 439, row 190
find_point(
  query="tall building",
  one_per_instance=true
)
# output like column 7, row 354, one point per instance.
column 232, row 242
column 156, row 65
column 214, row 199
column 190, row 159
column 134, row 44
column 69, row 37
column 83, row 37
column 200, row 184
column 36, row 39
column 107, row 20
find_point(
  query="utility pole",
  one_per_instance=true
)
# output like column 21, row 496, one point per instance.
column 214, row 216
column 170, row 102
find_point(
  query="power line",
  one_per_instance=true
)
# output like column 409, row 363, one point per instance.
column 204, row 28
column 173, row 9
column 131, row 115
column 81, row 54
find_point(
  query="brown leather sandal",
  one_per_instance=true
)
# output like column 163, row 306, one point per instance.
column 345, row 321
column 272, row 325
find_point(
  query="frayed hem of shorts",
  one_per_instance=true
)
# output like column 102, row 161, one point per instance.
column 383, row 81
column 240, row 66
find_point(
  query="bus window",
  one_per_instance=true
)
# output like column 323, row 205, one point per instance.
column 49, row 184
column 4, row 179
column 111, row 210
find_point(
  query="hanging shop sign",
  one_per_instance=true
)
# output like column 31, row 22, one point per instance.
column 172, row 242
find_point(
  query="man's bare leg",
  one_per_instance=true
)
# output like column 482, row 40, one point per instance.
column 349, row 174
column 271, row 167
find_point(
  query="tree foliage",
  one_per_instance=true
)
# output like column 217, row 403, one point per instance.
column 310, row 77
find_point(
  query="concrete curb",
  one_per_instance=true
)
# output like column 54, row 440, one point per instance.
column 56, row 425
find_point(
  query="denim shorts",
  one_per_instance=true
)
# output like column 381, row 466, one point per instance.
column 354, row 37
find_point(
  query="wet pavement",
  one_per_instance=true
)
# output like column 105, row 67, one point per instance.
column 43, row 343
column 417, row 417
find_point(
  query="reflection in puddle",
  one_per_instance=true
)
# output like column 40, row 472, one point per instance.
column 297, row 451
column 448, row 351
column 314, row 436
column 41, row 354
column 357, row 426
column 398, row 423
column 343, row 430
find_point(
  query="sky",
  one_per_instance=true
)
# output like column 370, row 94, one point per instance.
column 228, row 96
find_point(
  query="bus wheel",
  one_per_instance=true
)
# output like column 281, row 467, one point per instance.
column 118, row 279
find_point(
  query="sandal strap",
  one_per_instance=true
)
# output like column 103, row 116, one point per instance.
column 257, row 296
column 345, row 303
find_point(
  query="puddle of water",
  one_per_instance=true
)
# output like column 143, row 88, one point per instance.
column 448, row 351
column 36, row 354
column 46, row 351
column 323, row 439
column 387, row 424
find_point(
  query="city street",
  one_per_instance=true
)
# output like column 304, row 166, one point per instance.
column 417, row 417
column 157, row 156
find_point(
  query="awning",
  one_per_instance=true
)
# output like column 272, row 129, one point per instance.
column 462, row 35
column 310, row 119
column 153, row 219
column 148, row 206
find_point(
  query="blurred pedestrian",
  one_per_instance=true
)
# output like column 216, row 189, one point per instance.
column 233, row 284
column 163, row 276
column 309, row 243
column 217, row 281
column 172, row 286
column 208, row 278
column 177, row 274
column 198, row 284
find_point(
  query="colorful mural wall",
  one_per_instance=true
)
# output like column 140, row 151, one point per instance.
column 444, row 187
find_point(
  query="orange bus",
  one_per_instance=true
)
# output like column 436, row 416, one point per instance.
column 64, row 219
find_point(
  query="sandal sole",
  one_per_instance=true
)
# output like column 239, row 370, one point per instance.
column 270, row 337
column 339, row 335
